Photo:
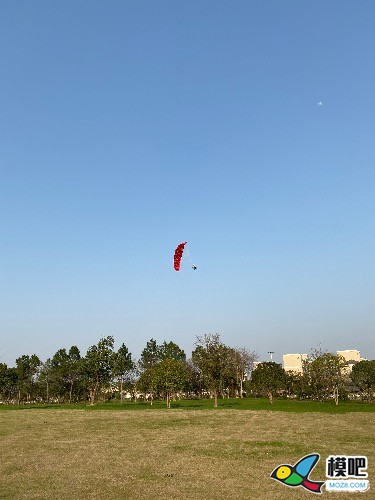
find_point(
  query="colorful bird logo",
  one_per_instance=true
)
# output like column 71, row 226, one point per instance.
column 298, row 474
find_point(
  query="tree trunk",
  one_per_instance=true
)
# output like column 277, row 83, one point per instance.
column 92, row 395
column 336, row 393
column 241, row 388
column 215, row 398
column 270, row 396
column 121, row 396
column 93, row 390
column 70, row 391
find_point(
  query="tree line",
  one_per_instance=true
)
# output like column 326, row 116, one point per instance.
column 163, row 371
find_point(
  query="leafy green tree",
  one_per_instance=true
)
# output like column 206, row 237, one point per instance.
column 73, row 369
column 97, row 366
column 326, row 376
column 194, row 384
column 61, row 374
column 171, row 350
column 211, row 358
column 294, row 384
column 169, row 377
column 267, row 379
column 8, row 382
column 55, row 374
column 150, row 356
column 363, row 376
column 146, row 384
column 122, row 366
column 27, row 368
column 229, row 377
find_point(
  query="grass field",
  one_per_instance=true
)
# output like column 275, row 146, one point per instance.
column 64, row 453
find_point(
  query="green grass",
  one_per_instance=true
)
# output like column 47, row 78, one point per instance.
column 255, row 404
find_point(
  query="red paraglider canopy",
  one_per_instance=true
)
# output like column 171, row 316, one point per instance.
column 177, row 255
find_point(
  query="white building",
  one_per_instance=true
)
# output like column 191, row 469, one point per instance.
column 352, row 357
column 294, row 362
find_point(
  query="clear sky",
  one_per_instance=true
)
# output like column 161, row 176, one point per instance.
column 127, row 127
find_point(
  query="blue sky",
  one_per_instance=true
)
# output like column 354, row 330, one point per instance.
column 128, row 127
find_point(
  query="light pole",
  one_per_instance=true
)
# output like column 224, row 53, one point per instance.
column 270, row 353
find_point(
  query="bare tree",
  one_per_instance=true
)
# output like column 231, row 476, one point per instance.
column 243, row 361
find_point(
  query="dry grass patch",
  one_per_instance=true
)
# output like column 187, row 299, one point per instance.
column 169, row 454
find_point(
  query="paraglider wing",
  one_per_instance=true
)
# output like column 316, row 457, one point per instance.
column 178, row 255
